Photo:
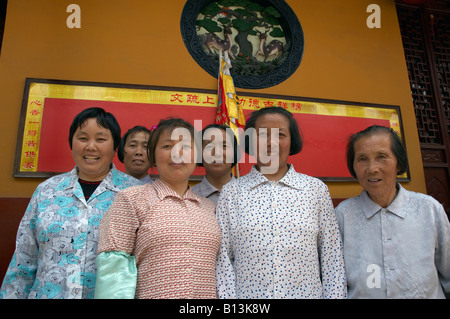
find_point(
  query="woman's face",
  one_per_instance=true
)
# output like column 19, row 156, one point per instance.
column 174, row 159
column 273, row 143
column 217, row 152
column 135, row 156
column 376, row 167
column 92, row 150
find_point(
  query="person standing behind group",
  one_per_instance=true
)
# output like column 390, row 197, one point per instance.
column 133, row 153
column 280, row 237
column 396, row 242
column 220, row 154
column 160, row 240
column 57, row 237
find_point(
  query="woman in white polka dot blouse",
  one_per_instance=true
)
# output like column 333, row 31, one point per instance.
column 280, row 237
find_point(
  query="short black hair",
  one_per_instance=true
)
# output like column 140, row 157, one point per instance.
column 104, row 119
column 169, row 124
column 123, row 141
column 296, row 135
column 229, row 131
column 397, row 147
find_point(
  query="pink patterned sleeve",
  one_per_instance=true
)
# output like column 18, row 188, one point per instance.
column 119, row 225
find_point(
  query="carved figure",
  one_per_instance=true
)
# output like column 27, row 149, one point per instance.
column 214, row 42
column 275, row 47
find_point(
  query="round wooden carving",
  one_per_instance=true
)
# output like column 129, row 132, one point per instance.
column 264, row 39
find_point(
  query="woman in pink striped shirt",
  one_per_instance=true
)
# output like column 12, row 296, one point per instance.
column 160, row 240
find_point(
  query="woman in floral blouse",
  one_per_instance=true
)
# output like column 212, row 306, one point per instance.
column 56, row 244
column 280, row 237
column 160, row 240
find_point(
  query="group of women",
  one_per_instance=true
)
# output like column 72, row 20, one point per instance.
column 96, row 232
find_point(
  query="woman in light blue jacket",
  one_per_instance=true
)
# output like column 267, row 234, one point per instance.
column 57, row 239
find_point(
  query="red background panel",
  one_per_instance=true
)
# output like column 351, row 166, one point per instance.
column 324, row 137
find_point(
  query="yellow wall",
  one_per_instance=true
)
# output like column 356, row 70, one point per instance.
column 139, row 42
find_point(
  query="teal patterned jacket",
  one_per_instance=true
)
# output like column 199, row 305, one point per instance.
column 56, row 245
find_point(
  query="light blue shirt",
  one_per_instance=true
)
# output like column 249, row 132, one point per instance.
column 146, row 180
column 56, row 245
column 402, row 251
column 205, row 189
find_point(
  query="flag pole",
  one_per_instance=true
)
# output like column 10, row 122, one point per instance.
column 229, row 110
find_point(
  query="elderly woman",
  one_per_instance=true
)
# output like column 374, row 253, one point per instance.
column 56, row 244
column 280, row 237
column 396, row 242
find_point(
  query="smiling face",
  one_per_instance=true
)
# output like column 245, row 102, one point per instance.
column 217, row 152
column 376, row 167
column 135, row 156
column 174, row 159
column 92, row 150
column 273, row 144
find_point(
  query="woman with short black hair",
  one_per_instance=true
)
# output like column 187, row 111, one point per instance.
column 57, row 239
column 220, row 153
column 160, row 240
column 280, row 237
column 133, row 153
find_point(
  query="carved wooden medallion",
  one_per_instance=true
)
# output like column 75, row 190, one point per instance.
column 264, row 39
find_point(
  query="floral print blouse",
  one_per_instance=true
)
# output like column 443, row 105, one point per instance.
column 56, row 245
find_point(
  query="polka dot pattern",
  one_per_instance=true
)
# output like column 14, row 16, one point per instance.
column 279, row 239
